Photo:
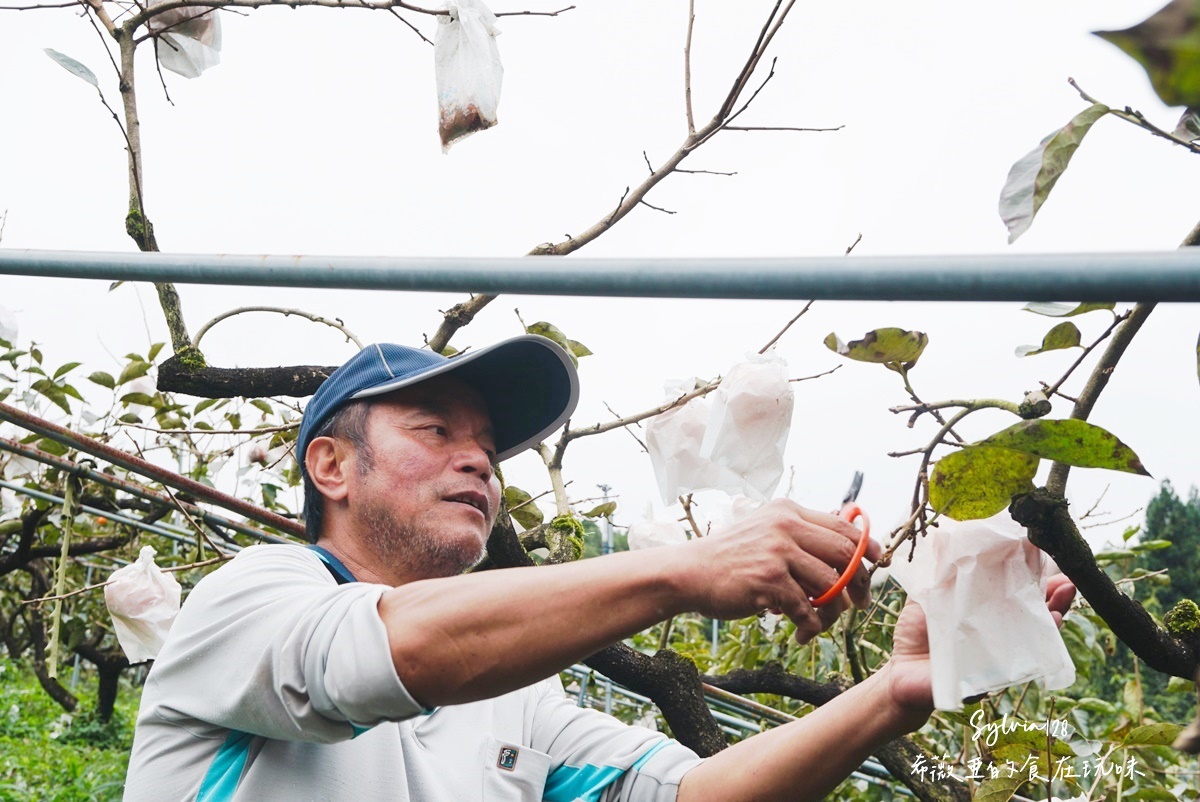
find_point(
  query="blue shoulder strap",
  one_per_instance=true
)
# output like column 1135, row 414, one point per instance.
column 340, row 572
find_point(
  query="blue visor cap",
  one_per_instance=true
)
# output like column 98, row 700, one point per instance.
column 528, row 383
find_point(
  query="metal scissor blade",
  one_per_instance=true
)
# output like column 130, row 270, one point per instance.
column 855, row 486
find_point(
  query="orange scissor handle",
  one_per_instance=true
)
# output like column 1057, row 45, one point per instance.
column 850, row 512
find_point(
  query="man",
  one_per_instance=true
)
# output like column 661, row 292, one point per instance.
column 371, row 667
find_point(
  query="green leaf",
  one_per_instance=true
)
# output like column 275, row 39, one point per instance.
column 200, row 424
column 5, row 393
column 103, row 379
column 1153, row 735
column 65, row 369
column 521, row 507
column 449, row 351
column 1000, row 789
column 1064, row 335
column 269, row 492
column 205, row 404
column 552, row 332
column 1034, row 739
column 601, row 510
column 134, row 370
column 1114, row 555
column 72, row 66
column 137, row 398
column 1073, row 442
column 36, row 353
column 52, row 447
column 261, row 406
column 1167, row 45
column 1180, row 685
column 130, row 417
column 1053, row 309
column 53, row 392
column 578, row 349
column 71, row 391
column 888, row 346
column 1129, row 532
column 1151, row 545
column 1031, row 179
column 978, row 481
column 154, row 351
column 1093, row 705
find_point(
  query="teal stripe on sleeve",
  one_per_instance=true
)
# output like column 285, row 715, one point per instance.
column 221, row 779
column 587, row 783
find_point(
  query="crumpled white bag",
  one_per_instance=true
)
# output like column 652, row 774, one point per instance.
column 748, row 426
column 8, row 326
column 982, row 585
column 467, row 69
column 143, row 602
column 651, row 532
column 673, row 441
column 189, row 39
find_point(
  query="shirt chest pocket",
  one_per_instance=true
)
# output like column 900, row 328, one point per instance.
column 514, row 773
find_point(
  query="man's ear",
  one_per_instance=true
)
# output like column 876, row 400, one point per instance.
column 328, row 462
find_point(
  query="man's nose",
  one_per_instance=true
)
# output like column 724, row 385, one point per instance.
column 471, row 457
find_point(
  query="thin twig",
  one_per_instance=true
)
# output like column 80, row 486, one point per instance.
column 833, row 369
column 776, row 128
column 1118, row 320
column 687, row 68
column 686, row 501
column 210, row 561
column 1137, row 118
column 287, row 427
column 783, row 331
column 853, row 244
column 414, row 28
column 706, row 172
column 615, row 414
column 534, row 13
column 337, row 324
column 656, row 208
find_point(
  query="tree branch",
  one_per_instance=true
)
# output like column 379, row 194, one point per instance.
column 337, row 324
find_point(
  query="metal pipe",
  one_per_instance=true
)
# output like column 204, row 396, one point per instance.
column 138, row 465
column 158, row 529
column 1148, row 276
column 134, row 489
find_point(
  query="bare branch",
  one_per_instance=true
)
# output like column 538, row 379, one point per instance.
column 776, row 128
column 705, row 172
column 656, row 208
column 264, row 430
column 783, row 331
column 1137, row 118
column 600, row 428
column 854, row 244
column 337, row 324
column 534, row 13
column 396, row 14
column 833, row 369
column 687, row 68
column 1052, row 389
column 220, row 558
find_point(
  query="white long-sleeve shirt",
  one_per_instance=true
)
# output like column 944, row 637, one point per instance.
column 276, row 682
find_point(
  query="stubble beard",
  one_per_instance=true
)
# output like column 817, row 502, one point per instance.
column 416, row 552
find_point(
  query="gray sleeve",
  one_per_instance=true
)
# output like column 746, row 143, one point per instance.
column 271, row 645
column 596, row 757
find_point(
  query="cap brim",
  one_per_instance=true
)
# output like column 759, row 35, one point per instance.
column 528, row 383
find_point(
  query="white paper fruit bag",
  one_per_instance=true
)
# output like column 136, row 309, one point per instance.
column 143, row 602
column 467, row 68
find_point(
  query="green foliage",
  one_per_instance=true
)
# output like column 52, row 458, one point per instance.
column 1073, row 442
column 46, row 754
column 1167, row 45
column 1053, row 309
column 522, row 508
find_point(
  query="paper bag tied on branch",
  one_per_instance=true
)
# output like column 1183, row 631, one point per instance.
column 143, row 602
column 982, row 586
column 467, row 68
column 188, row 39
column 731, row 440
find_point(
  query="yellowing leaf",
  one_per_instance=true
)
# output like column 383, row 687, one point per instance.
column 1073, row 442
column 978, row 481
column 887, row 346
column 1031, row 179
column 1153, row 735
column 520, row 505
column 552, row 332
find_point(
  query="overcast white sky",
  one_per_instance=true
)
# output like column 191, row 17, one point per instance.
column 317, row 134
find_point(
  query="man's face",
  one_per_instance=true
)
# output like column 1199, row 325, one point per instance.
column 425, row 501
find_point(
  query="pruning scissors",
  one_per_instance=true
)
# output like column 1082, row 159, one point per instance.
column 849, row 512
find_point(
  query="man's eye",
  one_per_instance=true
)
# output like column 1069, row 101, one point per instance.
column 437, row 429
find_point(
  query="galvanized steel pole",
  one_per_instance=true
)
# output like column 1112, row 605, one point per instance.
column 1164, row 277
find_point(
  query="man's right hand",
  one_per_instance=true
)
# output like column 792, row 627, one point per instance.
column 778, row 558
